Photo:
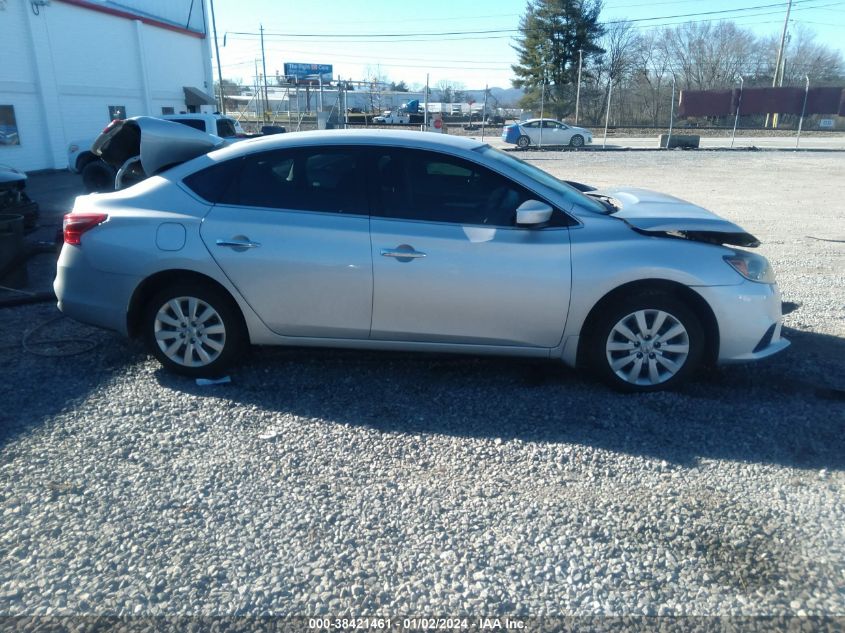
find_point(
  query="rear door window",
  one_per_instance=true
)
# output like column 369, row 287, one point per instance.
column 212, row 182
column 325, row 179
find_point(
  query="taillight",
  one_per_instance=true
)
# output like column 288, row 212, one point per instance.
column 75, row 224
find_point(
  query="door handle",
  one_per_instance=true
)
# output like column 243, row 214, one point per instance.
column 238, row 243
column 401, row 254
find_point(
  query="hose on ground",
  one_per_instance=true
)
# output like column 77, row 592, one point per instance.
column 82, row 344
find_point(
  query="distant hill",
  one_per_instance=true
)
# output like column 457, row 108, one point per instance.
column 507, row 97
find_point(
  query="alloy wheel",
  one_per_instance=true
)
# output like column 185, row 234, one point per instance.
column 189, row 332
column 647, row 347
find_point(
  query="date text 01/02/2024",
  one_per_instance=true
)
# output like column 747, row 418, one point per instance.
column 416, row 624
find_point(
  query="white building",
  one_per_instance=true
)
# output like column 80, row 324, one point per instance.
column 67, row 67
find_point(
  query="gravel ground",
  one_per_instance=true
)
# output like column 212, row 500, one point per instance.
column 329, row 482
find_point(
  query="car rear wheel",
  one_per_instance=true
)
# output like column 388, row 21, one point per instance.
column 646, row 343
column 576, row 141
column 523, row 142
column 194, row 330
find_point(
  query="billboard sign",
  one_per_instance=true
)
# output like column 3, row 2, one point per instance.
column 312, row 72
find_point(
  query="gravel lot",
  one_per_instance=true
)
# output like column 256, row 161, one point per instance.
column 327, row 482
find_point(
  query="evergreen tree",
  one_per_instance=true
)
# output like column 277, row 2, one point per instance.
column 552, row 32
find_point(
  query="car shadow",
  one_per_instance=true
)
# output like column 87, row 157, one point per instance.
column 786, row 410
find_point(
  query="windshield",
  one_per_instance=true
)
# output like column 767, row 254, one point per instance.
column 570, row 194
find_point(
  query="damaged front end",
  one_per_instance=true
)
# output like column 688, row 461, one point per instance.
column 141, row 147
column 659, row 214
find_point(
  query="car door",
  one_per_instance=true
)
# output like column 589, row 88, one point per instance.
column 561, row 132
column 532, row 130
column 449, row 264
column 292, row 234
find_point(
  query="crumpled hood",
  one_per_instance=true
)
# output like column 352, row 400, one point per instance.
column 9, row 176
column 159, row 143
column 659, row 213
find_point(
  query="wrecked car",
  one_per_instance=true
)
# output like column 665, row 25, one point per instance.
column 13, row 196
column 405, row 241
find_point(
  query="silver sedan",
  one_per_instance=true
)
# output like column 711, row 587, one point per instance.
column 406, row 241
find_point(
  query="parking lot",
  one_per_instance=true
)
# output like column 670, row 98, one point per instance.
column 341, row 482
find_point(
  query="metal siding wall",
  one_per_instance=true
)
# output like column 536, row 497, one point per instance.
column 174, row 11
column 167, row 78
column 18, row 88
column 85, row 61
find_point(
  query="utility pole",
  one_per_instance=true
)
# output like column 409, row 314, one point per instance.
column 484, row 111
column 578, row 90
column 607, row 114
column 738, row 107
column 425, row 105
column 257, row 91
column 219, row 66
column 542, row 106
column 264, row 68
column 671, row 114
column 779, row 61
column 803, row 110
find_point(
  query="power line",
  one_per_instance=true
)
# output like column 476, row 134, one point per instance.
column 740, row 17
column 488, row 32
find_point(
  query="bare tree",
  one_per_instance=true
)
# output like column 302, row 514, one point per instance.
column 620, row 43
column 707, row 56
column 699, row 56
column 806, row 57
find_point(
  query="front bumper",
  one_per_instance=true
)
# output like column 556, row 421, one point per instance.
column 749, row 317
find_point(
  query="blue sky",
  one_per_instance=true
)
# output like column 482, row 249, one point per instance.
column 472, row 60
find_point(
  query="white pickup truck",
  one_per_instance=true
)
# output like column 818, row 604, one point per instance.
column 392, row 117
column 98, row 176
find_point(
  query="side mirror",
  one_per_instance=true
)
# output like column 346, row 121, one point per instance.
column 533, row 213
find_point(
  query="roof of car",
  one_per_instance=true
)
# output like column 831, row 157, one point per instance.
column 192, row 115
column 396, row 138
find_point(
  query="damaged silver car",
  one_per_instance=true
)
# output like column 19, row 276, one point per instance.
column 397, row 240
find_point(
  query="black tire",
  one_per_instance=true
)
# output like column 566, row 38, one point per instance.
column 523, row 141
column 224, row 329
column 97, row 176
column 650, row 350
column 576, row 141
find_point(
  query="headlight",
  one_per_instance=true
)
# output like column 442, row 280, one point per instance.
column 752, row 267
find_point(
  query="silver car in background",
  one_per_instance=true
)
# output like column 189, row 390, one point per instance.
column 546, row 132
column 407, row 241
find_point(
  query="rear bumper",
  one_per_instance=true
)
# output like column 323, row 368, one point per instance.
column 92, row 296
column 511, row 134
column 749, row 317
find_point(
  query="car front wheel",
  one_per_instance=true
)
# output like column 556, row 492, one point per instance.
column 647, row 343
column 194, row 330
column 576, row 141
column 523, row 142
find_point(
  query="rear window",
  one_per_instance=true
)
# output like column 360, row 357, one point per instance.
column 194, row 123
column 211, row 183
